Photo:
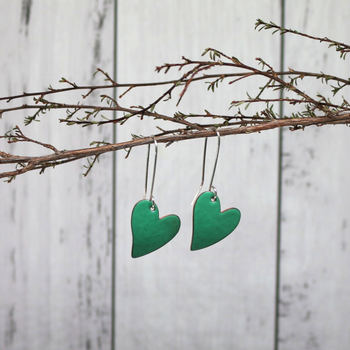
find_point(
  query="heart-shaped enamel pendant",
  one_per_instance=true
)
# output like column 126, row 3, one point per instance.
column 148, row 230
column 210, row 225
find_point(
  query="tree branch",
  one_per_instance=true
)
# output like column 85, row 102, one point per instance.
column 43, row 162
column 314, row 109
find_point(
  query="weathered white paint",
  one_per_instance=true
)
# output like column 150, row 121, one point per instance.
column 315, row 279
column 221, row 297
column 55, row 238
column 55, row 241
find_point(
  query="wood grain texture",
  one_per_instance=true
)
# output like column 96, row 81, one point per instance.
column 55, row 241
column 315, row 277
column 221, row 297
column 55, row 237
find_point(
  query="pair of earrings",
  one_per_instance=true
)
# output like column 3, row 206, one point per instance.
column 210, row 225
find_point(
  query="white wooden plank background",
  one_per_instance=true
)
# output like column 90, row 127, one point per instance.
column 56, row 229
column 315, row 275
column 55, row 237
column 221, row 297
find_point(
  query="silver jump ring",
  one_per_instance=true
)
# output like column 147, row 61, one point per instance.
column 213, row 190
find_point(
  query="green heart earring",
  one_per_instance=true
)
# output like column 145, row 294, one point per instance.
column 148, row 230
column 210, row 224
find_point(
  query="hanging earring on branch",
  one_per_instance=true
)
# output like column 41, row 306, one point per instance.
column 210, row 225
column 149, row 231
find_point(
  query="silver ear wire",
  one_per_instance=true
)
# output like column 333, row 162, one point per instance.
column 203, row 172
column 211, row 187
column 146, row 178
column 154, row 172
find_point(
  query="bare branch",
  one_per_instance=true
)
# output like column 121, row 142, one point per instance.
column 314, row 108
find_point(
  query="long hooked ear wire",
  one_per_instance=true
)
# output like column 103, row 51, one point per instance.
column 147, row 165
column 211, row 187
column 203, row 172
column 154, row 172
